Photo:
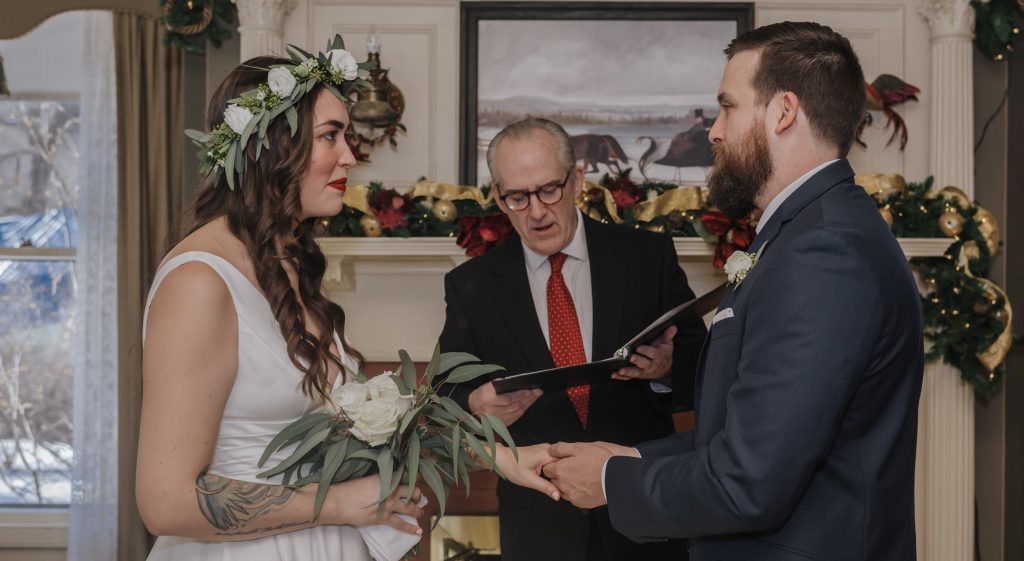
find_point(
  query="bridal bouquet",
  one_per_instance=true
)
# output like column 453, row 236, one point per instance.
column 394, row 426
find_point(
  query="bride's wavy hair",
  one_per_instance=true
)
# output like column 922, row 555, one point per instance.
column 262, row 211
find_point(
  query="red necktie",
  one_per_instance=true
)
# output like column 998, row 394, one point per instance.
column 564, row 333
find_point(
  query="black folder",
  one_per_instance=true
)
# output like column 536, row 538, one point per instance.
column 591, row 372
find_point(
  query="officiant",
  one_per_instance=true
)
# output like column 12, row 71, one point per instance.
column 568, row 290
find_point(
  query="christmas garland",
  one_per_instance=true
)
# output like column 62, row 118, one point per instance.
column 190, row 24
column 966, row 317
column 997, row 26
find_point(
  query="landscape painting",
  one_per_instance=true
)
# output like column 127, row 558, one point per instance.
column 637, row 95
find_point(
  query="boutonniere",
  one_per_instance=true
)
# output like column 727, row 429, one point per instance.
column 740, row 263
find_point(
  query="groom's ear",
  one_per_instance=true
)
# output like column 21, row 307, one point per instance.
column 788, row 107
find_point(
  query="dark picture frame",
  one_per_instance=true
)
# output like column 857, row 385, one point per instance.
column 475, row 14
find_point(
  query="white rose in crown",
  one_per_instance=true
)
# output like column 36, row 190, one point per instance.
column 738, row 265
column 342, row 62
column 349, row 398
column 377, row 421
column 281, row 81
column 384, row 388
column 237, row 117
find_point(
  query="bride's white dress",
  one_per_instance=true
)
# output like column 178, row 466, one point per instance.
column 265, row 398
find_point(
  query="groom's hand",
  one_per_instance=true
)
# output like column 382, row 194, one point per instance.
column 577, row 472
column 650, row 362
column 507, row 406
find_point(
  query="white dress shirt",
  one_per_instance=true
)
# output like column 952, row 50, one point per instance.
column 576, row 272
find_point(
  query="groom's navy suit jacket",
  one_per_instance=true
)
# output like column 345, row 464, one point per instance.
column 635, row 277
column 806, row 405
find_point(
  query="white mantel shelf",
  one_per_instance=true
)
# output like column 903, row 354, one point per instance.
column 403, row 248
column 342, row 249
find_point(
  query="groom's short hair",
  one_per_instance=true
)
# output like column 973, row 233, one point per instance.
column 819, row 66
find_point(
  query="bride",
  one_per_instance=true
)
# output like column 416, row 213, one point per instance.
column 240, row 339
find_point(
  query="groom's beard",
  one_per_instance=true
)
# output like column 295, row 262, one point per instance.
column 740, row 173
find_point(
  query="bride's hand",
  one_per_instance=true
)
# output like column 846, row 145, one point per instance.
column 354, row 503
column 526, row 472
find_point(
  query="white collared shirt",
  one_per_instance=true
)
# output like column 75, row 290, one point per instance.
column 576, row 272
column 785, row 193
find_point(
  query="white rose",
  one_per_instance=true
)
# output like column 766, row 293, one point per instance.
column 349, row 398
column 376, row 422
column 344, row 63
column 737, row 265
column 384, row 388
column 237, row 117
column 281, row 81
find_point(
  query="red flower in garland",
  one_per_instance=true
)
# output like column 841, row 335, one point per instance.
column 624, row 191
column 732, row 234
column 478, row 234
column 390, row 208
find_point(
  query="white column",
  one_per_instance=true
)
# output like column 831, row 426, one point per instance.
column 261, row 26
column 947, row 401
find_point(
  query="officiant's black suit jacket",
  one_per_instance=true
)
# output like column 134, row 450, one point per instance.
column 806, row 413
column 635, row 277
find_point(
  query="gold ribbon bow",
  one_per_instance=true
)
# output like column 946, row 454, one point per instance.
column 680, row 198
column 450, row 192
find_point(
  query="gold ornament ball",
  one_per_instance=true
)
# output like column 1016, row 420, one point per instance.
column 445, row 211
column 371, row 227
column 886, row 213
column 951, row 223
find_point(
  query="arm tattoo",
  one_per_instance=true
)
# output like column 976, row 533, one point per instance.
column 229, row 504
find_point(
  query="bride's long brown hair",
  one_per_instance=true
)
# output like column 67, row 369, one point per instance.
column 262, row 211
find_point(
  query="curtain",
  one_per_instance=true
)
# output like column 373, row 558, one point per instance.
column 94, row 474
column 150, row 126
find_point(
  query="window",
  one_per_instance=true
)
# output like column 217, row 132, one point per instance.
column 38, row 197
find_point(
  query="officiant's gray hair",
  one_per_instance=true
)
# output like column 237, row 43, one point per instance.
column 521, row 130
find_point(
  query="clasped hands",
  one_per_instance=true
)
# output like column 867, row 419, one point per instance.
column 573, row 470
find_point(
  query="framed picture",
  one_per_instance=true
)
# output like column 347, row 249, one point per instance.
column 634, row 84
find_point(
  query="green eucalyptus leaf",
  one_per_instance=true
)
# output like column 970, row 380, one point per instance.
column 435, row 362
column 464, row 472
column 298, row 52
column 414, row 460
column 334, row 91
column 489, row 435
column 229, row 160
column 264, row 123
column 502, row 430
column 332, row 464
column 198, row 136
column 469, row 372
column 311, row 440
column 408, row 369
column 456, row 448
column 298, row 427
column 478, row 450
column 293, row 119
column 433, row 479
column 451, row 360
column 384, row 463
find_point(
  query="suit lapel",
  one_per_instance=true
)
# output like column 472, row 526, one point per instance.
column 510, row 291
column 608, row 285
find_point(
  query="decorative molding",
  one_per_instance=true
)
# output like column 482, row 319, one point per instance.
column 33, row 528
column 261, row 26
column 948, row 18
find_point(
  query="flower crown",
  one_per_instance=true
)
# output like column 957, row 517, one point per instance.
column 223, row 148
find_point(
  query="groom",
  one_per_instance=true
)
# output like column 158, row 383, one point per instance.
column 808, row 383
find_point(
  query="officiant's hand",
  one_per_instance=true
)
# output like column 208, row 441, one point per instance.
column 507, row 406
column 577, row 472
column 651, row 362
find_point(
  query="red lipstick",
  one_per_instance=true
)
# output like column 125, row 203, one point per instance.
column 339, row 184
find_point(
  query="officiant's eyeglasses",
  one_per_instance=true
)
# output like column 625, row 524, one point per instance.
column 548, row 194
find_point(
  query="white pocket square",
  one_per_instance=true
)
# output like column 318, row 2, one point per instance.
column 722, row 314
